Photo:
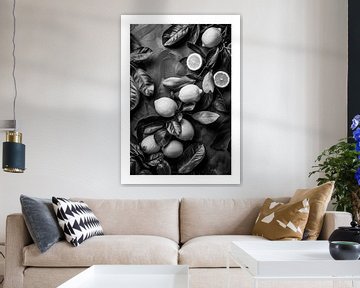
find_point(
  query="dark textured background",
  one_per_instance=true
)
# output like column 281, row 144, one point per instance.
column 165, row 63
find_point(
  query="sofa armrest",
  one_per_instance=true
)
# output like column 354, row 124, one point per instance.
column 17, row 237
column 333, row 220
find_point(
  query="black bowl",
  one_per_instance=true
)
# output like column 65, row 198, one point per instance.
column 344, row 250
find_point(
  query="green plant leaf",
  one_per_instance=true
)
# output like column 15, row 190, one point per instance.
column 339, row 163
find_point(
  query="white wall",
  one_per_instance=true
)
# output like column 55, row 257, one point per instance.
column 294, row 62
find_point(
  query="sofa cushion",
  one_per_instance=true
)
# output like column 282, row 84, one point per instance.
column 107, row 249
column 41, row 221
column 77, row 220
column 200, row 217
column 319, row 198
column 279, row 221
column 211, row 251
column 158, row 217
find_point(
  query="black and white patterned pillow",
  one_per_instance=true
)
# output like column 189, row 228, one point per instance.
column 77, row 220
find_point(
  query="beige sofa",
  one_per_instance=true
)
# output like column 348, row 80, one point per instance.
column 194, row 232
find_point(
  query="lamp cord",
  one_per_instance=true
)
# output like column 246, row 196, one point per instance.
column 14, row 61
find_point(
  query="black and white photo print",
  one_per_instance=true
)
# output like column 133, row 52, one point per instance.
column 181, row 99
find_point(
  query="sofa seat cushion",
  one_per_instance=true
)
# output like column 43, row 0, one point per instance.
column 211, row 251
column 107, row 249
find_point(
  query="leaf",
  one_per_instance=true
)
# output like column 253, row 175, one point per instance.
column 195, row 33
column 162, row 137
column 212, row 57
column 145, row 172
column 134, row 167
column 188, row 107
column 179, row 116
column 153, row 128
column 219, row 104
column 225, row 60
column 191, row 157
column 175, row 83
column 205, row 101
column 174, row 34
column 147, row 126
column 134, row 94
column 208, row 83
column 223, row 137
column 134, row 43
column 193, row 76
column 140, row 54
column 155, row 159
column 144, row 82
column 135, row 151
column 136, row 156
column 196, row 48
column 163, row 168
column 173, row 127
column 205, row 117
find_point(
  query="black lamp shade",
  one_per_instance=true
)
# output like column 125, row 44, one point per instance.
column 13, row 157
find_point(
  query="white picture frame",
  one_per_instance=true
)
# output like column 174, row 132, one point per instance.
column 234, row 177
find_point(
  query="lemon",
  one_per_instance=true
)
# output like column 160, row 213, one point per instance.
column 165, row 106
column 187, row 130
column 190, row 93
column 194, row 61
column 221, row 79
column 149, row 145
column 174, row 149
column 211, row 37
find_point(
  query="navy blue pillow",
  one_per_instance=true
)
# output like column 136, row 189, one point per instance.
column 41, row 221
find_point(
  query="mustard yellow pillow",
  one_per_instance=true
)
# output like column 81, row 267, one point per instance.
column 279, row 221
column 319, row 198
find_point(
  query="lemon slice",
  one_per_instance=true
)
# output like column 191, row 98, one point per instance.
column 194, row 61
column 221, row 79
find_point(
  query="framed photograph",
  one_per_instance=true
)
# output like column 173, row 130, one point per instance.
column 180, row 99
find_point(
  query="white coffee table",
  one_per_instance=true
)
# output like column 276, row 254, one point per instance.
column 297, row 260
column 131, row 276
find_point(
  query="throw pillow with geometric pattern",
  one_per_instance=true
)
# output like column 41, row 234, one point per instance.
column 77, row 220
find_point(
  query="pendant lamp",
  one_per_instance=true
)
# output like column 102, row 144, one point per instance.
column 13, row 160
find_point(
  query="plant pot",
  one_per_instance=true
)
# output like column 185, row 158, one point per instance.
column 351, row 233
column 343, row 250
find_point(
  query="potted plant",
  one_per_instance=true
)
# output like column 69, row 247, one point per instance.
column 341, row 163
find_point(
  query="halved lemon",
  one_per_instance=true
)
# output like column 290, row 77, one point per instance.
column 221, row 79
column 194, row 61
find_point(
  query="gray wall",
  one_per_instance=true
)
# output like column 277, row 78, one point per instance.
column 294, row 64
